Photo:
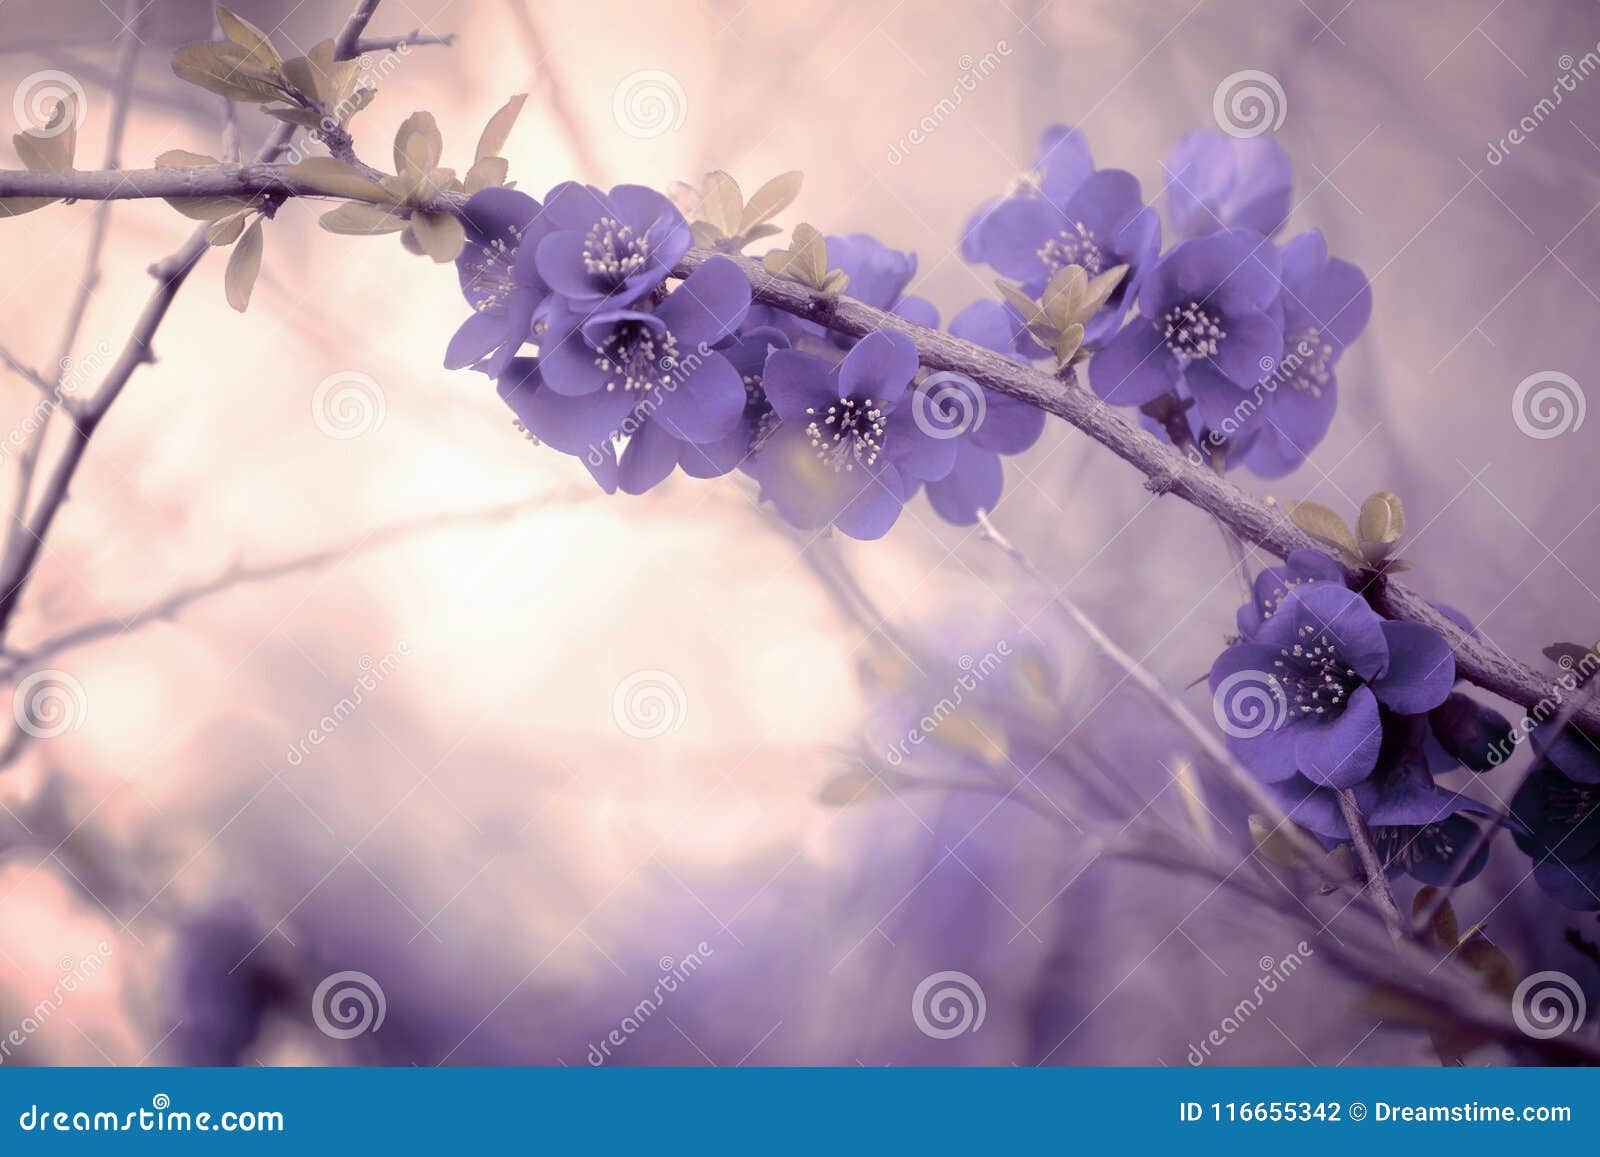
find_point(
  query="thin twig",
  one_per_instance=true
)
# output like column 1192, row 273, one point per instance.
column 1163, row 697
column 17, row 568
column 1371, row 863
column 17, row 532
column 174, row 603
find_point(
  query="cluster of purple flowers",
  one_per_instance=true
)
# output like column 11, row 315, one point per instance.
column 1237, row 333
column 1319, row 693
column 636, row 380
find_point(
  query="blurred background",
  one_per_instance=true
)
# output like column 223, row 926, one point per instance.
column 568, row 779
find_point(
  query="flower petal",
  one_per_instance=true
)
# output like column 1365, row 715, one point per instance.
column 1343, row 752
column 1421, row 670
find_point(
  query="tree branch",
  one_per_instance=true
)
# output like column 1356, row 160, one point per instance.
column 1166, row 470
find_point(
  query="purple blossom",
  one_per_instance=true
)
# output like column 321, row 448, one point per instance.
column 1209, row 310
column 1003, row 424
column 1326, row 304
column 1323, row 662
column 1215, row 181
column 848, row 451
column 1060, row 165
column 748, row 354
column 1558, row 808
column 1274, row 583
column 1102, row 224
column 499, row 278
column 607, row 250
column 1419, row 829
column 647, row 375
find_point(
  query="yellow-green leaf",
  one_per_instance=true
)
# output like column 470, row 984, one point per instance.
column 721, row 202
column 770, row 200
column 207, row 208
column 51, row 149
column 1324, row 525
column 1444, row 927
column 1383, row 518
column 493, row 140
column 439, row 234
column 184, row 159
column 333, row 176
column 356, row 218
column 227, row 230
column 243, row 266
column 225, row 69
column 486, row 173
column 417, row 147
column 1490, row 962
column 250, row 38
column 17, row 206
